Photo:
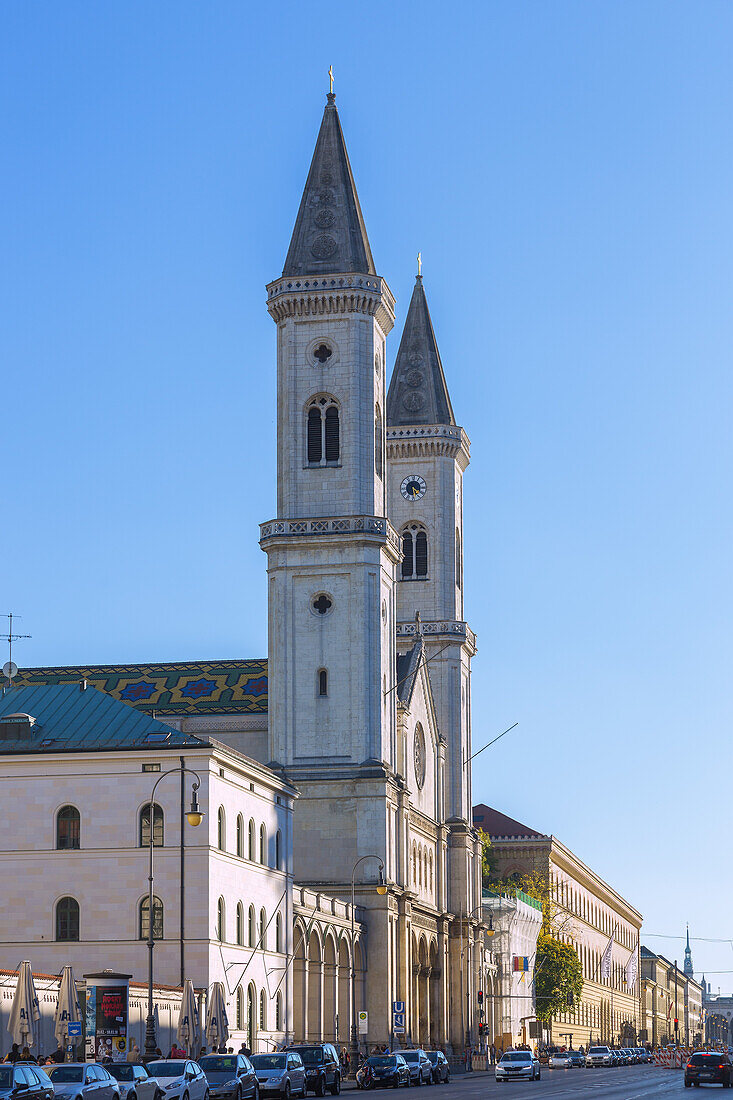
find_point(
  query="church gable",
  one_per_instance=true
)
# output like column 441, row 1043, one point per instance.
column 419, row 730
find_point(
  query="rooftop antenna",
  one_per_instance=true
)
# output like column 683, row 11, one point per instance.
column 10, row 669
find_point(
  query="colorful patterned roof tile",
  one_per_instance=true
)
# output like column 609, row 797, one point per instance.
column 186, row 687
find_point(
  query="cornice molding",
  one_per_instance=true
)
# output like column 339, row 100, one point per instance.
column 455, row 629
column 423, row 440
column 374, row 528
column 333, row 294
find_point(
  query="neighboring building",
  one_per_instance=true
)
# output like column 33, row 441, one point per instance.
column 590, row 913
column 718, row 1016
column 364, row 701
column 509, row 1001
column 668, row 994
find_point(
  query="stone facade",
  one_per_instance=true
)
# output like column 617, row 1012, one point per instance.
column 668, row 994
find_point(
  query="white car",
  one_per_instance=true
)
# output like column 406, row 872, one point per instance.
column 518, row 1063
column 560, row 1060
column 180, row 1079
column 599, row 1056
column 135, row 1082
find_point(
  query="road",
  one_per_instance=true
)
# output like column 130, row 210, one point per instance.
column 622, row 1083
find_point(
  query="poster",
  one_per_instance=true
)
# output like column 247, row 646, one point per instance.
column 107, row 1014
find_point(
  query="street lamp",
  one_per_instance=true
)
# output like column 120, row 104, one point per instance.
column 194, row 817
column 381, row 889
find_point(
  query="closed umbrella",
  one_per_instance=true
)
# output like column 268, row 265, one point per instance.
column 217, row 1024
column 25, row 1013
column 67, row 1009
column 189, row 1030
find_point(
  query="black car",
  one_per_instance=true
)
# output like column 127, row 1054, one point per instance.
column 230, row 1077
column 322, row 1067
column 22, row 1080
column 386, row 1069
column 709, row 1068
column 441, row 1069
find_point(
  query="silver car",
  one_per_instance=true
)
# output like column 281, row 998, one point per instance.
column 419, row 1065
column 83, row 1081
column 180, row 1079
column 282, row 1073
column 135, row 1082
column 518, row 1063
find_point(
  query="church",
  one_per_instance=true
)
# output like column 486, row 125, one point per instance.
column 363, row 705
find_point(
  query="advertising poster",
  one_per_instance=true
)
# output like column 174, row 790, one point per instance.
column 107, row 1014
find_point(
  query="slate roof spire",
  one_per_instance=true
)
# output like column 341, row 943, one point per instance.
column 329, row 234
column 418, row 393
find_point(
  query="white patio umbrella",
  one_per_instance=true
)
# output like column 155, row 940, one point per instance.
column 25, row 1013
column 189, row 1029
column 217, row 1024
column 67, row 1009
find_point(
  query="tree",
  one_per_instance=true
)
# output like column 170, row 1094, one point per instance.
column 488, row 860
column 558, row 976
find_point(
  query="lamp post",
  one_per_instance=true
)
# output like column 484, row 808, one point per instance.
column 195, row 817
column 381, row 889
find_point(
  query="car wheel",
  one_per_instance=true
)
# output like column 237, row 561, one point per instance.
column 336, row 1086
column 185, row 1096
column 687, row 1083
column 539, row 1074
column 287, row 1090
column 320, row 1089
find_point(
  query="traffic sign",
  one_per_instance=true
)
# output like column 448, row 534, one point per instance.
column 398, row 1020
column 363, row 1023
column 398, row 1006
column 74, row 1027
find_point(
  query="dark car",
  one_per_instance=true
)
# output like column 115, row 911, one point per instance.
column 441, row 1069
column 230, row 1077
column 577, row 1060
column 24, row 1080
column 322, row 1067
column 709, row 1068
column 387, row 1069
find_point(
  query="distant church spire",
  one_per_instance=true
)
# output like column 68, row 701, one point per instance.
column 329, row 236
column 418, row 393
column 688, row 968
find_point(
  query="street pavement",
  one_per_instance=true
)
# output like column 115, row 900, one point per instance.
column 620, row 1083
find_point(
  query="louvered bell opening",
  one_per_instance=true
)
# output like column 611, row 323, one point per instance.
column 332, row 434
column 314, row 435
column 421, row 554
column 406, row 555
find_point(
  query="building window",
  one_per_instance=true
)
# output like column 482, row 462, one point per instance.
column 68, row 828
column 144, row 922
column 252, row 932
column 252, row 836
column 278, row 1012
column 240, row 836
column 278, row 850
column 262, row 943
column 251, row 1017
column 240, row 1008
column 263, row 1010
column 278, row 933
column 220, row 920
column 459, row 560
column 221, row 830
column 263, row 845
column 157, row 826
column 378, row 442
column 67, row 920
column 322, row 681
column 240, row 924
column 323, row 433
column 414, row 552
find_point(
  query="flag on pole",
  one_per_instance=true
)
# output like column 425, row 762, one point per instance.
column 606, row 960
column 632, row 970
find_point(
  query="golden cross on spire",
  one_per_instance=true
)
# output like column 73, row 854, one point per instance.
column 330, row 79
column 419, row 263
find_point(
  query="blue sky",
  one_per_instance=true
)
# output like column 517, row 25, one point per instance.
column 565, row 169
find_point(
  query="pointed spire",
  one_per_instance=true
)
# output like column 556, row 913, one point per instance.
column 329, row 235
column 688, row 938
column 417, row 392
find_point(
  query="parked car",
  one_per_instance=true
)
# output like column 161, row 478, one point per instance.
column 322, row 1067
column 180, row 1079
column 230, row 1077
column 282, row 1073
column 83, row 1081
column 135, row 1082
column 710, row 1068
column 419, row 1065
column 441, row 1069
column 598, row 1056
column 577, row 1060
column 518, row 1063
column 24, row 1080
column 384, row 1069
column 560, row 1060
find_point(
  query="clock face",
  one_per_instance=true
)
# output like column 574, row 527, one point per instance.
column 413, row 487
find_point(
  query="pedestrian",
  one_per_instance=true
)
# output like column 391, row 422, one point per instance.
column 26, row 1056
column 203, row 1052
column 133, row 1054
column 493, row 1054
column 244, row 1049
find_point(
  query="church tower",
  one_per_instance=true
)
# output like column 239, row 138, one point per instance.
column 688, row 968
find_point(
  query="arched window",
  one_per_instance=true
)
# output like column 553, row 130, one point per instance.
column 251, row 1017
column 414, row 552
column 459, row 560
column 68, row 827
column 144, row 922
column 251, row 930
column 278, row 933
column 263, row 1010
column 278, row 1012
column 240, row 1008
column 252, row 840
column 419, row 866
column 263, row 845
column 157, row 826
column 414, row 862
column 67, row 920
column 240, row 836
column 220, row 920
column 378, row 442
column 323, row 445
column 221, row 830
column 322, row 681
column 430, row 870
column 262, row 937
column 240, row 923
column 278, row 850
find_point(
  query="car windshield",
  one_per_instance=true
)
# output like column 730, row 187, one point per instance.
column 312, row 1056
column 167, row 1069
column 6, row 1077
column 517, row 1056
column 268, row 1061
column 121, row 1072
column 383, row 1061
column 66, row 1075
column 411, row 1056
column 217, row 1063
column 598, row 1050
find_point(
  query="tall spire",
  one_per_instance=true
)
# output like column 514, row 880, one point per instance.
column 688, row 968
column 329, row 235
column 417, row 392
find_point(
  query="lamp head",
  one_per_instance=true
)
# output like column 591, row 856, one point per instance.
column 195, row 815
column 381, row 882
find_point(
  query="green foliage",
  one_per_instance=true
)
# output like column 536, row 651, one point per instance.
column 558, row 973
column 488, row 860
